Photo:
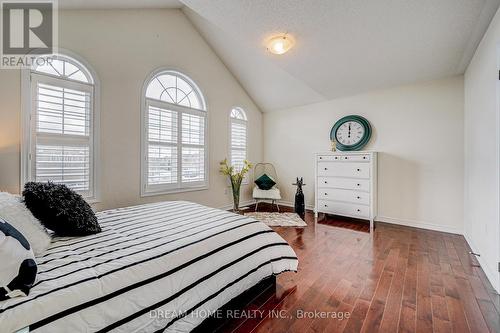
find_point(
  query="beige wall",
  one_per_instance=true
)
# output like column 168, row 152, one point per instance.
column 482, row 149
column 418, row 130
column 123, row 47
column 10, row 105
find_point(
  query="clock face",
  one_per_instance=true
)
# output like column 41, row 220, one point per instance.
column 350, row 133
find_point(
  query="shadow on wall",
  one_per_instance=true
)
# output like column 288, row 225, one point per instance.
column 9, row 168
column 287, row 174
column 398, row 186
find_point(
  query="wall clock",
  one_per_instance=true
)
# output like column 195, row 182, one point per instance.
column 351, row 133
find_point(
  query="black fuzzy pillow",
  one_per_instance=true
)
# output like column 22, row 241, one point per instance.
column 60, row 209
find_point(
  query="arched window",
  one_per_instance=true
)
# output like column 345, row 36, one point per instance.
column 61, row 125
column 238, row 137
column 174, row 134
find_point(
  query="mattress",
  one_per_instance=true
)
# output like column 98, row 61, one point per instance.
column 160, row 267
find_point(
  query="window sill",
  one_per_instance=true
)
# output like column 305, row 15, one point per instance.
column 92, row 200
column 172, row 191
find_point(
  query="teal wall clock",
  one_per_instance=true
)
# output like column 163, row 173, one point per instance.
column 351, row 133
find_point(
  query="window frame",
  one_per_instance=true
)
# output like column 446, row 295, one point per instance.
column 179, row 187
column 243, row 122
column 28, row 120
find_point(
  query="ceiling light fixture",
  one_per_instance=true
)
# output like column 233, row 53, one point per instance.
column 280, row 44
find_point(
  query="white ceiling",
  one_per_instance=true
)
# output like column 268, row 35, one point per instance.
column 123, row 4
column 344, row 47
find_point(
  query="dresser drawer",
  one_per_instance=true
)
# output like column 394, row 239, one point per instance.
column 341, row 208
column 336, row 169
column 356, row 197
column 328, row 158
column 344, row 183
column 344, row 158
column 356, row 158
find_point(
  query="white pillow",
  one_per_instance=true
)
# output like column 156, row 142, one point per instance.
column 13, row 210
column 18, row 271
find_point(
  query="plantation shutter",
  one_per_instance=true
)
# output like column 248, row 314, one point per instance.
column 162, row 146
column 176, row 146
column 62, row 133
column 238, row 143
column 174, row 142
column 193, row 148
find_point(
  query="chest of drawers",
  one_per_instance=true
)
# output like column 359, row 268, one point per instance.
column 346, row 184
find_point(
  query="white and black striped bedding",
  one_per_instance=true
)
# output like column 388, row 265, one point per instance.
column 178, row 257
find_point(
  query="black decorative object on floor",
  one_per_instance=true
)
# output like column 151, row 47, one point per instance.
column 300, row 207
column 60, row 209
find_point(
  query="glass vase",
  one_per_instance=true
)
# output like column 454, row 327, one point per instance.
column 235, row 185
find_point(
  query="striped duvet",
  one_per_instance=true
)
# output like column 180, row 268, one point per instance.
column 154, row 268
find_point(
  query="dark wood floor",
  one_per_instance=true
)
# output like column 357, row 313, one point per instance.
column 398, row 280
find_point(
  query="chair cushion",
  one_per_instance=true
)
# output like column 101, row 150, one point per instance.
column 60, row 209
column 272, row 194
column 19, row 268
column 265, row 182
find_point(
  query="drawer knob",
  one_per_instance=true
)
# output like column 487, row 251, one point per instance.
column 326, row 182
column 364, row 157
column 326, row 168
column 336, row 157
column 359, row 197
column 359, row 210
column 358, row 184
column 326, row 193
column 358, row 169
column 326, row 205
column 321, row 158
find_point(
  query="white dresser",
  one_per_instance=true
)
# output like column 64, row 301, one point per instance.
column 346, row 184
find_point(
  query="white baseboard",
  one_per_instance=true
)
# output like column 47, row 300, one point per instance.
column 420, row 224
column 386, row 219
column 251, row 202
column 242, row 204
column 292, row 204
column 491, row 273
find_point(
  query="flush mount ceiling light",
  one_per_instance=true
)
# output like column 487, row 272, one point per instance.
column 280, row 44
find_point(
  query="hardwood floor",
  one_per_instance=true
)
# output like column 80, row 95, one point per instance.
column 400, row 280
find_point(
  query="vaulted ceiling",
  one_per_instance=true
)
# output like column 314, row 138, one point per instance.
column 118, row 4
column 343, row 47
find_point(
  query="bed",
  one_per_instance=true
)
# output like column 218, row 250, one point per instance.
column 160, row 267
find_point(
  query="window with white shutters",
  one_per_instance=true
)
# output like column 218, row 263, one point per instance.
column 174, row 135
column 61, row 145
column 238, row 137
